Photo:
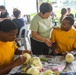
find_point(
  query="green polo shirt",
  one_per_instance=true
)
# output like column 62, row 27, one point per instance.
column 41, row 26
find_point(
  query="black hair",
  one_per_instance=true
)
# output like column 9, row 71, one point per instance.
column 45, row 7
column 70, row 20
column 63, row 11
column 15, row 9
column 16, row 13
column 68, row 8
column 7, row 25
column 2, row 7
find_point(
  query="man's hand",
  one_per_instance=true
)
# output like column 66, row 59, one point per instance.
column 19, row 61
column 26, row 51
column 55, row 52
column 64, row 53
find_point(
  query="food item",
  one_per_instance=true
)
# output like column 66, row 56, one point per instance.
column 42, row 73
column 43, row 59
column 49, row 72
column 24, row 69
column 35, row 61
column 28, row 56
column 69, row 58
column 33, row 70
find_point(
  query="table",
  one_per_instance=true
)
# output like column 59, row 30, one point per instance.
column 55, row 63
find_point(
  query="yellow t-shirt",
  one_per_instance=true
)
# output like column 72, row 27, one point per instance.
column 7, row 50
column 65, row 40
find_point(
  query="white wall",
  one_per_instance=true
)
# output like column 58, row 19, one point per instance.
column 26, row 6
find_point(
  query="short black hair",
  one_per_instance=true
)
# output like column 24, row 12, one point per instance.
column 63, row 11
column 68, row 8
column 45, row 7
column 2, row 7
column 16, row 13
column 70, row 19
column 7, row 25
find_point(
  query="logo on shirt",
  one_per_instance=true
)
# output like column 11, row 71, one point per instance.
column 72, row 37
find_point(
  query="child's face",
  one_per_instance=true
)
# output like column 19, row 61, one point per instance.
column 9, row 36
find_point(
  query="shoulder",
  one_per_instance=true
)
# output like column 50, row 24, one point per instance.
column 36, row 18
column 56, row 29
column 73, row 30
column 15, row 20
column 6, row 13
column 19, row 21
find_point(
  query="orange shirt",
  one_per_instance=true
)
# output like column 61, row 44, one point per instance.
column 7, row 50
column 65, row 40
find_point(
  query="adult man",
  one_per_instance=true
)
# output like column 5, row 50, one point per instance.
column 8, row 48
column 64, row 38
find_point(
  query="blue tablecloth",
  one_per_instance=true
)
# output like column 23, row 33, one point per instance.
column 68, row 73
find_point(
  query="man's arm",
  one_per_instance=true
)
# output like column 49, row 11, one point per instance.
column 54, row 49
column 19, row 52
column 73, row 51
column 53, row 46
column 17, row 62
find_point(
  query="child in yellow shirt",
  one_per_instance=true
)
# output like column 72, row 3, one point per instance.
column 8, row 31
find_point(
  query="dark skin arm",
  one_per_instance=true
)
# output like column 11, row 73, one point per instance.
column 53, row 46
column 19, row 52
column 55, row 52
column 54, row 49
column 17, row 62
column 73, row 51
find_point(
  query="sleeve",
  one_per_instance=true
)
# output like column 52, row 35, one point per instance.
column 53, row 36
column 34, row 25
